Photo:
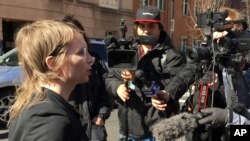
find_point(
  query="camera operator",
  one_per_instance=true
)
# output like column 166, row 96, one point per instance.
column 218, row 117
column 160, row 63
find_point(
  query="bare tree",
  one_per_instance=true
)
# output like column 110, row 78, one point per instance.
column 202, row 6
column 209, row 5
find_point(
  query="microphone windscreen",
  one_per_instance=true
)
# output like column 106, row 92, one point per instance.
column 174, row 127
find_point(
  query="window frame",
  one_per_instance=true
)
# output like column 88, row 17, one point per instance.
column 160, row 4
column 144, row 2
column 184, row 44
column 185, row 7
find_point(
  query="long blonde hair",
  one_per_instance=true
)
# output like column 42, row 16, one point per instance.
column 35, row 42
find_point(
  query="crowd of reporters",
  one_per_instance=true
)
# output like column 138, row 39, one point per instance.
column 138, row 113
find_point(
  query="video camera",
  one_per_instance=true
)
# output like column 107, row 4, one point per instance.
column 232, row 45
column 122, row 54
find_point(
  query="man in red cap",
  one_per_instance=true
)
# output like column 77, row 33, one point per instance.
column 158, row 62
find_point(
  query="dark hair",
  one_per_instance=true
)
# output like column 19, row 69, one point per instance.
column 71, row 19
column 245, row 25
column 161, row 27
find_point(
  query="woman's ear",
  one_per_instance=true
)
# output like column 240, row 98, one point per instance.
column 49, row 62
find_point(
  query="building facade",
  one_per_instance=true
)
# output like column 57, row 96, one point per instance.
column 99, row 17
column 179, row 17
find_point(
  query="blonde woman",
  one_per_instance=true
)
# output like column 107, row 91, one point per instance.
column 55, row 58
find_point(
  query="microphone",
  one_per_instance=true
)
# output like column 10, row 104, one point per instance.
column 111, row 42
column 175, row 126
column 150, row 88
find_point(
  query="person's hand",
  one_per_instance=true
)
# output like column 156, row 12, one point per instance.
column 160, row 100
column 217, row 117
column 98, row 121
column 213, row 80
column 127, row 75
column 123, row 92
column 218, row 35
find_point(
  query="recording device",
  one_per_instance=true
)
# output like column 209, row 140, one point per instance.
column 150, row 88
column 227, row 48
column 214, row 20
column 227, row 51
column 122, row 54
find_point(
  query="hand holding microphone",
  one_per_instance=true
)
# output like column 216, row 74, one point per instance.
column 160, row 100
column 216, row 117
column 183, row 123
column 123, row 90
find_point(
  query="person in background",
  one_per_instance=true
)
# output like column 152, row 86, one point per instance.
column 55, row 58
column 219, row 117
column 91, row 99
column 158, row 62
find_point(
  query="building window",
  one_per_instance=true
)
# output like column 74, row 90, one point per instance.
column 144, row 2
column 160, row 4
column 172, row 25
column 171, row 34
column 172, row 9
column 196, row 8
column 184, row 44
column 110, row 33
column 185, row 7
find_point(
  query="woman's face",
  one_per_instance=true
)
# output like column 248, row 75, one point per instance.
column 149, row 28
column 78, row 61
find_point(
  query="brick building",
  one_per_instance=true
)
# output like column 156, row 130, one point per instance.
column 99, row 17
column 179, row 18
column 102, row 17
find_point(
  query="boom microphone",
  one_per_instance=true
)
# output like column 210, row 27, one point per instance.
column 175, row 127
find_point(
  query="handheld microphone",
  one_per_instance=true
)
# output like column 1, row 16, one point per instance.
column 150, row 88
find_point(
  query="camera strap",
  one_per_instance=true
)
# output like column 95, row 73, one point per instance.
column 203, row 96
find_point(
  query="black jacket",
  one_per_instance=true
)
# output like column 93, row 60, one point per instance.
column 168, row 69
column 90, row 100
column 51, row 120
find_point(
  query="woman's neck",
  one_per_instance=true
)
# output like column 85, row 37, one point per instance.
column 60, row 88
